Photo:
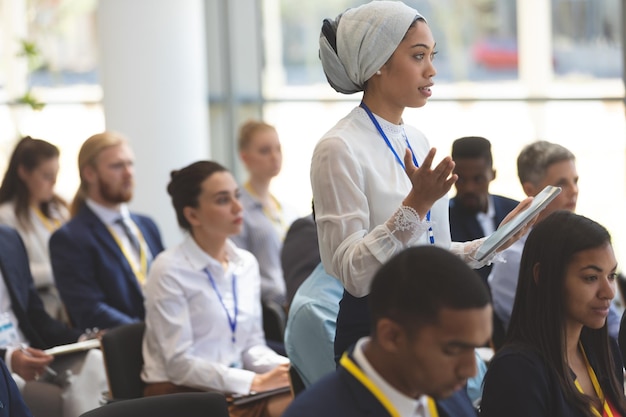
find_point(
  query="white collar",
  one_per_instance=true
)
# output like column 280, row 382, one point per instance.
column 199, row 259
column 107, row 215
column 405, row 405
column 491, row 210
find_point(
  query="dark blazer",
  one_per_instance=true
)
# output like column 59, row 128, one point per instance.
column 340, row 394
column 41, row 330
column 96, row 282
column 519, row 384
column 11, row 401
column 464, row 226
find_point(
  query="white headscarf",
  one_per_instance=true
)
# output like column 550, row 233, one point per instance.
column 366, row 37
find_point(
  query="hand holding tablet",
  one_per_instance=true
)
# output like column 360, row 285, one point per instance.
column 507, row 230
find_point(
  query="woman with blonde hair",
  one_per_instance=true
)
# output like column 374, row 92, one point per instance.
column 29, row 204
column 267, row 218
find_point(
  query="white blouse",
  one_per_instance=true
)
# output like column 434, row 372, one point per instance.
column 358, row 189
column 188, row 334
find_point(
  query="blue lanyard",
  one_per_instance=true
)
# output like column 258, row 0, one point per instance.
column 232, row 321
column 431, row 235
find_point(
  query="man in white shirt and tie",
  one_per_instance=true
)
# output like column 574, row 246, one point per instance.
column 100, row 258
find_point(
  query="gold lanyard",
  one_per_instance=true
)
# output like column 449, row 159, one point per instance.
column 277, row 221
column 356, row 372
column 142, row 270
column 596, row 387
column 49, row 223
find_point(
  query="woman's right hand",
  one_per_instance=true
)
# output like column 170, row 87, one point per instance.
column 30, row 363
column 276, row 378
column 429, row 185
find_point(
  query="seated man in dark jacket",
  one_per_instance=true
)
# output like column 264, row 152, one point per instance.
column 474, row 212
column 429, row 311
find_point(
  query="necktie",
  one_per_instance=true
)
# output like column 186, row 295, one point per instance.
column 134, row 242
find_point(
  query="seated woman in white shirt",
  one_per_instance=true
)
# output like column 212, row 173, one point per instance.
column 203, row 310
column 29, row 204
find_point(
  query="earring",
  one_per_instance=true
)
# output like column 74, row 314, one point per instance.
column 378, row 72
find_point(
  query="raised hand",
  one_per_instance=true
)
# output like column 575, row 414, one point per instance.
column 429, row 185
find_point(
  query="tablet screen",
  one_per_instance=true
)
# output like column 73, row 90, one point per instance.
column 506, row 231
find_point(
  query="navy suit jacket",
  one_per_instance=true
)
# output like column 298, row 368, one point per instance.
column 40, row 329
column 96, row 282
column 11, row 401
column 519, row 383
column 464, row 226
column 340, row 394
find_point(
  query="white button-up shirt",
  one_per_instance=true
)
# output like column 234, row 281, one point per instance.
column 358, row 189
column 406, row 406
column 188, row 334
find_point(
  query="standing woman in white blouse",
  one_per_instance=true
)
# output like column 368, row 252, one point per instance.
column 29, row 204
column 203, row 307
column 375, row 188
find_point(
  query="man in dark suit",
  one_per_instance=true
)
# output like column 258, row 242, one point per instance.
column 474, row 213
column 27, row 329
column 100, row 257
column 429, row 312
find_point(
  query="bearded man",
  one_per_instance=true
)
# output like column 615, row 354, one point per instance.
column 100, row 258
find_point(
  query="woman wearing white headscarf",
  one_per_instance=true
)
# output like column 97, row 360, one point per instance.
column 374, row 186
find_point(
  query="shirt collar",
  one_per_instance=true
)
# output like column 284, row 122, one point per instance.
column 405, row 405
column 107, row 215
column 491, row 211
column 200, row 260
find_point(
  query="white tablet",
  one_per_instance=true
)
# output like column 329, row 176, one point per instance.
column 506, row 231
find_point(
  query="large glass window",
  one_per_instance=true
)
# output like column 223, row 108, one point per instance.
column 586, row 38
column 477, row 39
column 48, row 79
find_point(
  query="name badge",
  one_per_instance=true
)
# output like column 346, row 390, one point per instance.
column 8, row 333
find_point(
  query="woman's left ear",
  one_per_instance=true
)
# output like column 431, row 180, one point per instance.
column 22, row 172
column 191, row 215
column 244, row 157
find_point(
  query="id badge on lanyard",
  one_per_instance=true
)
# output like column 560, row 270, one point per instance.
column 8, row 332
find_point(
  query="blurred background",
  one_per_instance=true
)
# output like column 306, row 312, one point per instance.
column 178, row 77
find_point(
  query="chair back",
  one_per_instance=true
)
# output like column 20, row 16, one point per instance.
column 187, row 404
column 123, row 360
column 296, row 382
column 274, row 320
